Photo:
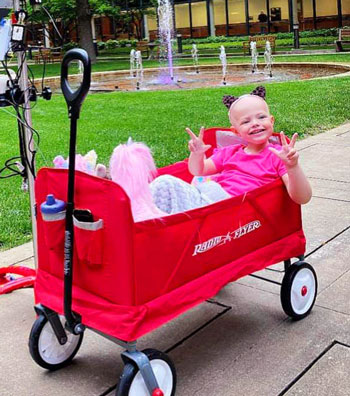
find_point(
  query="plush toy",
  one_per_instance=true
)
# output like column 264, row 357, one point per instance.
column 133, row 168
column 86, row 163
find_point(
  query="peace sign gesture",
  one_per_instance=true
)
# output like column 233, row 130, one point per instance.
column 196, row 144
column 288, row 153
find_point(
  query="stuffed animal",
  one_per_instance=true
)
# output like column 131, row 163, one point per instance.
column 133, row 168
column 86, row 163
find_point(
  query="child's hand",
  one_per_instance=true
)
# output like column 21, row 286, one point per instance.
column 196, row 144
column 288, row 153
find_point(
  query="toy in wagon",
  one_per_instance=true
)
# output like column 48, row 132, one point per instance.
column 217, row 228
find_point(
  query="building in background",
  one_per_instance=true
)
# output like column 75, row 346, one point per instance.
column 203, row 18
column 240, row 17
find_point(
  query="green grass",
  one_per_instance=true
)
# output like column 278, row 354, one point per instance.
column 118, row 64
column 158, row 119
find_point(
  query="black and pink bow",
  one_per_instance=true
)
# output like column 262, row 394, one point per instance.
column 227, row 100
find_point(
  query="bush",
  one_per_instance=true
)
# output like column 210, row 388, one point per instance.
column 110, row 44
column 127, row 43
column 279, row 36
column 66, row 47
column 101, row 45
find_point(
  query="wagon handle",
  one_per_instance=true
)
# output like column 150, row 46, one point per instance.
column 75, row 98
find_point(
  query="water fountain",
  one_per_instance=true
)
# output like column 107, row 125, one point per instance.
column 223, row 60
column 268, row 58
column 194, row 54
column 132, row 63
column 166, row 34
column 139, row 69
column 254, row 54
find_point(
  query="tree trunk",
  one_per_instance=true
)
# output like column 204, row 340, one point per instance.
column 84, row 28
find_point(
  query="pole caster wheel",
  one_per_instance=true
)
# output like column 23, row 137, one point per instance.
column 132, row 384
column 299, row 290
column 45, row 349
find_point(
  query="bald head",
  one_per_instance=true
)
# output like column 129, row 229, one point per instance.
column 245, row 105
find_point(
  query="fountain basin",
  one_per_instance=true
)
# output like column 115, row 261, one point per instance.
column 185, row 77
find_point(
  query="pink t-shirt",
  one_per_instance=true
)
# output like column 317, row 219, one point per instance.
column 241, row 172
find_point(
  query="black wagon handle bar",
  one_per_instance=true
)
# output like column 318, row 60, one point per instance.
column 75, row 98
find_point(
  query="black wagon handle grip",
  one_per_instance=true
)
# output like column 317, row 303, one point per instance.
column 75, row 98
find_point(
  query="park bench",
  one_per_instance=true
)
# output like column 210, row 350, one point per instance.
column 48, row 56
column 143, row 47
column 43, row 55
column 56, row 56
column 344, row 37
column 260, row 43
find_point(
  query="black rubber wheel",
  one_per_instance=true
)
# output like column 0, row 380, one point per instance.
column 131, row 382
column 44, row 348
column 299, row 290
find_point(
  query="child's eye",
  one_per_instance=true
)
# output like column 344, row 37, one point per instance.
column 245, row 122
column 262, row 116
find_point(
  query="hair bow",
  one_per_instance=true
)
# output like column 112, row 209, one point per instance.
column 227, row 100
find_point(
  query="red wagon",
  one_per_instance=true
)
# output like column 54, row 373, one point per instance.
column 130, row 278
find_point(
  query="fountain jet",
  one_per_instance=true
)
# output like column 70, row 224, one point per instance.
column 223, row 60
column 166, row 33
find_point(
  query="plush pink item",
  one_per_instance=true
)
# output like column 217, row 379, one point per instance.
column 132, row 167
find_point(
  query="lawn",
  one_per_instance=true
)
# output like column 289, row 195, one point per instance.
column 158, row 119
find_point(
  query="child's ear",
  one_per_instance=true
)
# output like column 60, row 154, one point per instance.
column 272, row 118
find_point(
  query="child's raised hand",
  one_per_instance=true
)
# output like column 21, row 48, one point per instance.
column 196, row 144
column 288, row 154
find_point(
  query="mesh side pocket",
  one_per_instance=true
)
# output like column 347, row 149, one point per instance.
column 54, row 226
column 88, row 237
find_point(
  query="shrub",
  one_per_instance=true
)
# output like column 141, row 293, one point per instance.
column 127, row 43
column 110, row 44
column 332, row 32
column 101, row 45
column 67, row 46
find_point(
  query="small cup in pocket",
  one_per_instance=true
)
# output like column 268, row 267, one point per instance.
column 88, row 237
column 54, row 225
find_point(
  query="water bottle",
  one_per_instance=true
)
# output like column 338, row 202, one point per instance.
column 53, row 209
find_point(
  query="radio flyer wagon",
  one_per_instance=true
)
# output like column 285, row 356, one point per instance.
column 130, row 278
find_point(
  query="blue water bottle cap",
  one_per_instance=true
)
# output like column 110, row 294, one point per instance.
column 52, row 205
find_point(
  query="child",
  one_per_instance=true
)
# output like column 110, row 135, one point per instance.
column 237, row 169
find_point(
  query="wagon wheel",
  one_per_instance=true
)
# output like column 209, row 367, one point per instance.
column 299, row 290
column 132, row 384
column 45, row 349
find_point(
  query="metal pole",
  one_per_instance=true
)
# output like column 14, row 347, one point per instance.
column 268, row 16
column 314, row 13
column 227, row 18
column 295, row 24
column 247, row 21
column 190, row 15
column 340, row 18
column 28, row 142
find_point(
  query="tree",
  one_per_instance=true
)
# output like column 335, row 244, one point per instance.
column 73, row 16
column 133, row 13
column 84, row 28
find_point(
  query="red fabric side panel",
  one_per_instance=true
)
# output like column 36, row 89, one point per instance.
column 103, row 262
column 183, row 247
column 131, row 322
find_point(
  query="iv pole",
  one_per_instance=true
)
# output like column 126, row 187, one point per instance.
column 28, row 141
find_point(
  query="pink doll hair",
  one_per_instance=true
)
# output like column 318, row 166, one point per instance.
column 132, row 167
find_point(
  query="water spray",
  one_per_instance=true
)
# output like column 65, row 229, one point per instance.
column 223, row 60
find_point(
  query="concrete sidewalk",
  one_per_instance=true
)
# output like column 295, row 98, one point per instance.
column 241, row 343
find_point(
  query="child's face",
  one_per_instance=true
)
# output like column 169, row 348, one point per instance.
column 251, row 120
